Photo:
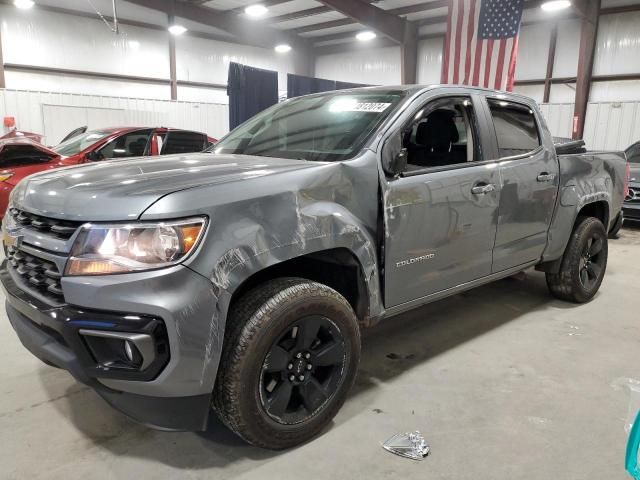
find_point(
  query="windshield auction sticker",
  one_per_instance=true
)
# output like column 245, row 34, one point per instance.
column 368, row 107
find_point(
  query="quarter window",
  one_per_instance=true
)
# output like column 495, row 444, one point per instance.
column 183, row 142
column 516, row 129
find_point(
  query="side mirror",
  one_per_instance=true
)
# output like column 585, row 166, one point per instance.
column 394, row 156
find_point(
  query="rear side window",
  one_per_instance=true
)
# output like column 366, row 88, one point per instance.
column 516, row 128
column 183, row 142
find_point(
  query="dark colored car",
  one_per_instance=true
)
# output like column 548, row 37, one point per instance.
column 21, row 156
column 631, row 206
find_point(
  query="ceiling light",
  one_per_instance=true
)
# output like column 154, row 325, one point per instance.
column 24, row 4
column 177, row 29
column 284, row 48
column 256, row 10
column 366, row 36
column 555, row 5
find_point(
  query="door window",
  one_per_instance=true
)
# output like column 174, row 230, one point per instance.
column 183, row 142
column 133, row 144
column 516, row 129
column 442, row 133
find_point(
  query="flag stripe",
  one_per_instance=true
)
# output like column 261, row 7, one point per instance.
column 500, row 63
column 470, row 40
column 457, row 56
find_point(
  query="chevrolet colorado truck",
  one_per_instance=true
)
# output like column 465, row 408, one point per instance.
column 238, row 279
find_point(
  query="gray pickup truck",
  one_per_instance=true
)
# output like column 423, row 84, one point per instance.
column 239, row 279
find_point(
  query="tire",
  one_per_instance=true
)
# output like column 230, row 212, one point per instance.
column 584, row 263
column 268, row 351
column 613, row 233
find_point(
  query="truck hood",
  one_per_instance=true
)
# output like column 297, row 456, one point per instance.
column 124, row 189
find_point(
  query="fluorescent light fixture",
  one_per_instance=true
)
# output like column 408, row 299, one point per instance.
column 24, row 4
column 256, row 10
column 177, row 29
column 555, row 5
column 284, row 48
column 366, row 36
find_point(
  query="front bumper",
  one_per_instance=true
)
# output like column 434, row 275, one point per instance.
column 631, row 211
column 176, row 305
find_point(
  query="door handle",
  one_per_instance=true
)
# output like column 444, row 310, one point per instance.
column 483, row 189
column 545, row 177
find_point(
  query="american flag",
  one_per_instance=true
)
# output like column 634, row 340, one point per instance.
column 482, row 42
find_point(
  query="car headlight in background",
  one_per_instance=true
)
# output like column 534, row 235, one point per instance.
column 105, row 249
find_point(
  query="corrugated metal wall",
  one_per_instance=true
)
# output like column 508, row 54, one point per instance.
column 612, row 125
column 29, row 109
column 608, row 126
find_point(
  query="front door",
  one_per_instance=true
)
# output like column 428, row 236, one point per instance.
column 529, row 174
column 440, row 215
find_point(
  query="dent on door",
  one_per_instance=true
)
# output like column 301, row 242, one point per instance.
column 439, row 232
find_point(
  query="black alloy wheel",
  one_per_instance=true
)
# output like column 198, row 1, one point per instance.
column 302, row 370
column 591, row 262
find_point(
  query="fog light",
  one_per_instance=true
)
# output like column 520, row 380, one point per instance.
column 120, row 349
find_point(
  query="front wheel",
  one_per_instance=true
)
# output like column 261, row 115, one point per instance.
column 289, row 360
column 583, row 264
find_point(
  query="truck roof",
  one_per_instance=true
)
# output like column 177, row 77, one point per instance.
column 410, row 90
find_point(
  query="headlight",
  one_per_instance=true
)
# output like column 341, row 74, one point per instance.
column 104, row 249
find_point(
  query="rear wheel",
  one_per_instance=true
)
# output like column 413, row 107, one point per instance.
column 583, row 264
column 289, row 360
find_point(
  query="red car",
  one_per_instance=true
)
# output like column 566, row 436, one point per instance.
column 22, row 156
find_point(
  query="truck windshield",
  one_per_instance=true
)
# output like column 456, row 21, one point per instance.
column 322, row 128
column 79, row 143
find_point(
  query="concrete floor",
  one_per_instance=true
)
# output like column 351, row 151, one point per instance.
column 504, row 382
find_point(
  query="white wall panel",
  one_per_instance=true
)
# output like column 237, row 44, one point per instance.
column 612, row 125
column 200, row 94
column 559, row 118
column 202, row 60
column 28, row 108
column 562, row 93
column 47, row 39
column 534, row 91
column 618, row 44
column 430, row 60
column 373, row 66
column 618, row 91
column 533, row 47
column 567, row 49
column 91, row 86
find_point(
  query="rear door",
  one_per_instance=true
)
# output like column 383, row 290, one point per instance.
column 181, row 141
column 529, row 182
column 441, row 213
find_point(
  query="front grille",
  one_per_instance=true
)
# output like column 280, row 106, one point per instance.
column 634, row 195
column 59, row 228
column 37, row 275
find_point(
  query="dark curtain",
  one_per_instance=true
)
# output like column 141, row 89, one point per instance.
column 250, row 91
column 298, row 85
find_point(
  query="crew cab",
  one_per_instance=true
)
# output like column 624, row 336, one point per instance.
column 23, row 155
column 240, row 278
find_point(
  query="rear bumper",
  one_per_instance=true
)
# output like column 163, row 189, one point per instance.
column 160, row 396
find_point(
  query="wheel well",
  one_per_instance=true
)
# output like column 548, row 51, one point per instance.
column 599, row 210
column 337, row 268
